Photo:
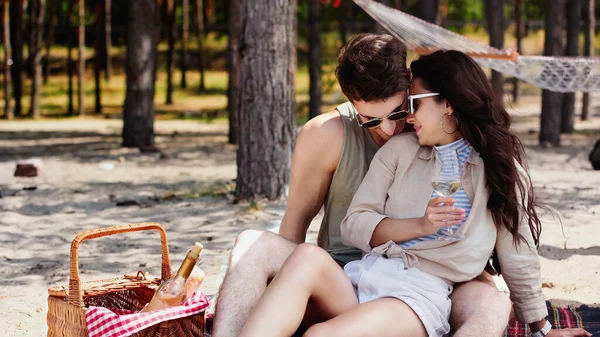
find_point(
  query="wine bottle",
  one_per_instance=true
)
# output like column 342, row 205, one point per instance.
column 173, row 292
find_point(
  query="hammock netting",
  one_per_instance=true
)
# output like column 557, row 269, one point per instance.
column 561, row 74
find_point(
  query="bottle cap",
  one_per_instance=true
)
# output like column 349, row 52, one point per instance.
column 195, row 252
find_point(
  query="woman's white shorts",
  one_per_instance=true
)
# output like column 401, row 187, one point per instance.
column 375, row 276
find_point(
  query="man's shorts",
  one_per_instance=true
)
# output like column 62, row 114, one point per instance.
column 375, row 277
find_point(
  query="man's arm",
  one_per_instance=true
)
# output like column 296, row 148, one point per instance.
column 316, row 155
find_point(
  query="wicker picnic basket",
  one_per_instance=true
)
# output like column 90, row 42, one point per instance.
column 67, row 305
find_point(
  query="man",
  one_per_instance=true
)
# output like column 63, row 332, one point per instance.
column 332, row 155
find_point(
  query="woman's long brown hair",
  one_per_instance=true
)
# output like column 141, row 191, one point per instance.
column 485, row 125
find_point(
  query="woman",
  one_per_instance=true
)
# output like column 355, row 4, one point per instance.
column 401, row 286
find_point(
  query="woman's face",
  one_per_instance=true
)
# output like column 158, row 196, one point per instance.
column 427, row 116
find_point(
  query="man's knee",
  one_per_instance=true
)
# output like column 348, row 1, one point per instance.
column 477, row 299
column 263, row 250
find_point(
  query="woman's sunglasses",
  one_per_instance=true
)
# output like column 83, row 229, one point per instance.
column 411, row 99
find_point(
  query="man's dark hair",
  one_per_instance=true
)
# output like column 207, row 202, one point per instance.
column 372, row 67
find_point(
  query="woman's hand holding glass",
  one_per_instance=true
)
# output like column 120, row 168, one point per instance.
column 440, row 213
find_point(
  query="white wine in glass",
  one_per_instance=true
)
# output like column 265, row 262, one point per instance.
column 446, row 188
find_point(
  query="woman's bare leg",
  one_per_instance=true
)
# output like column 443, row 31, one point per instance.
column 385, row 317
column 309, row 273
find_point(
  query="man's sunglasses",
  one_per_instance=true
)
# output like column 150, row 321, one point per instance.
column 395, row 115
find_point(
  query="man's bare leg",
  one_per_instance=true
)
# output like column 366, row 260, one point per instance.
column 479, row 309
column 255, row 259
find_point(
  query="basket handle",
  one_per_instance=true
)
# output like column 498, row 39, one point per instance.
column 75, row 292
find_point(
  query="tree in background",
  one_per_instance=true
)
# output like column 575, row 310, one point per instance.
column 429, row 10
column 170, row 29
column 185, row 25
column 8, row 112
column 38, row 12
column 107, row 38
column 267, row 108
column 201, row 51
column 589, row 20
column 518, row 10
column 16, row 39
column 53, row 9
column 572, row 49
column 552, row 101
column 70, row 63
column 143, row 32
column 344, row 12
column 81, row 57
column 494, row 10
column 99, row 54
column 314, row 58
column 233, row 65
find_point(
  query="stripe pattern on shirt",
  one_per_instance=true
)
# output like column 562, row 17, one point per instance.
column 462, row 201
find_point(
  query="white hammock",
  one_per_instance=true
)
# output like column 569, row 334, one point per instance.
column 561, row 74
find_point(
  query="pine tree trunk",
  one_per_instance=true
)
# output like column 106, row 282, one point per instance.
column 38, row 11
column 201, row 35
column 209, row 12
column 314, row 57
column 81, row 58
column 70, row 62
column 589, row 20
column 99, row 54
column 29, row 32
column 185, row 8
column 342, row 27
column 142, row 35
column 267, row 108
column 53, row 10
column 495, row 21
column 572, row 49
column 170, row 29
column 233, row 88
column 519, row 10
column 398, row 4
column 442, row 13
column 552, row 101
column 107, row 39
column 429, row 10
column 16, row 38
column 8, row 112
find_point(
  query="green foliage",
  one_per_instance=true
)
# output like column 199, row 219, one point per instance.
column 466, row 10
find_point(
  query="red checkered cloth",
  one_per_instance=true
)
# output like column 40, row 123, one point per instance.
column 584, row 317
column 111, row 322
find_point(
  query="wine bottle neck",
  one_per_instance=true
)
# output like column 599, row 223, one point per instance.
column 186, row 267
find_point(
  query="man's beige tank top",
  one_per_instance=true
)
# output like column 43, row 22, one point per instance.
column 358, row 150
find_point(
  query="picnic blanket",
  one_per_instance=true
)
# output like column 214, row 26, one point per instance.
column 584, row 317
column 111, row 322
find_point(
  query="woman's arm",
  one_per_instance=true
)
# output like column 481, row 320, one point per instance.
column 521, row 270
column 366, row 225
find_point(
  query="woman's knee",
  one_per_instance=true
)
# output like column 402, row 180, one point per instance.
column 309, row 257
column 319, row 330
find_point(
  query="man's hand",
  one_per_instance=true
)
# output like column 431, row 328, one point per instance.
column 576, row 332
column 438, row 216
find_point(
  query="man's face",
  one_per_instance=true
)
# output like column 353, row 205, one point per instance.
column 387, row 128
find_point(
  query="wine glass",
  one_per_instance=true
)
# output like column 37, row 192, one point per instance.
column 446, row 181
